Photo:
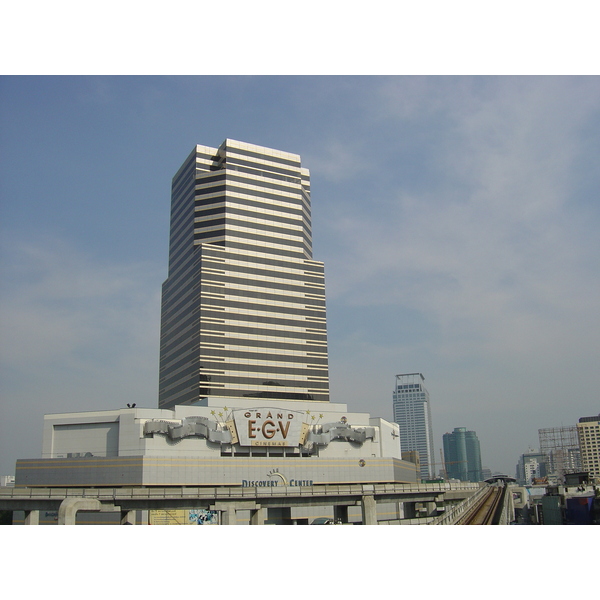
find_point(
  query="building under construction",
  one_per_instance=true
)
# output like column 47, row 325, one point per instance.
column 560, row 445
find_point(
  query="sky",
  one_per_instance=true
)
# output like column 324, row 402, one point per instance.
column 457, row 217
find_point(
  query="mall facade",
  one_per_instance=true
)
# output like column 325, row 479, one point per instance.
column 244, row 383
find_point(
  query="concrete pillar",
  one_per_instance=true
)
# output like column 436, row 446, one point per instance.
column 369, row 510
column 257, row 517
column 32, row 517
column 128, row 517
column 410, row 510
column 431, row 508
column 228, row 515
column 67, row 512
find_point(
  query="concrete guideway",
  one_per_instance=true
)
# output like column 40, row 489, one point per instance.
column 228, row 500
column 491, row 505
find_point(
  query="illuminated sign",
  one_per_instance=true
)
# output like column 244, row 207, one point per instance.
column 269, row 427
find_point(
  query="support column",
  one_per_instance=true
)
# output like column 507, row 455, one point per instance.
column 128, row 517
column 431, row 508
column 257, row 517
column 67, row 512
column 410, row 510
column 228, row 510
column 32, row 517
column 340, row 514
column 369, row 510
column 228, row 515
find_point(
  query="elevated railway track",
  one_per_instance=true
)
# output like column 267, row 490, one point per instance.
column 488, row 510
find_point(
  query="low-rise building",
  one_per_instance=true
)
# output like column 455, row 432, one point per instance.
column 265, row 443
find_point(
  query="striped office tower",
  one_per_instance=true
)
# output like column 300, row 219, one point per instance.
column 243, row 307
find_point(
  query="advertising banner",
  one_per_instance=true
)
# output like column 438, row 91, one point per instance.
column 268, row 427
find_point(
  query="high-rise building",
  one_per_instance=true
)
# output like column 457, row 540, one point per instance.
column 560, row 446
column 462, row 455
column 588, row 431
column 243, row 307
column 412, row 412
column 531, row 465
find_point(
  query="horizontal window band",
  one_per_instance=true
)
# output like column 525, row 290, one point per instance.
column 258, row 384
column 252, row 271
column 205, row 179
column 256, row 188
column 282, row 309
column 229, row 254
column 256, row 251
column 263, row 173
column 283, row 206
column 290, row 162
column 235, row 394
column 262, row 353
column 235, row 360
column 294, row 369
column 260, row 286
column 261, row 378
column 265, row 296
column 297, row 335
column 271, row 320
column 212, row 189
column 290, row 174
column 252, row 219
column 212, row 281
column 281, row 345
column 205, row 269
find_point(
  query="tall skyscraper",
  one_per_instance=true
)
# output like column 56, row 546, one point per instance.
column 588, row 430
column 412, row 412
column 462, row 455
column 243, row 307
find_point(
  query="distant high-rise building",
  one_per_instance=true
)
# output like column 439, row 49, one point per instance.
column 588, row 430
column 412, row 412
column 243, row 307
column 531, row 465
column 560, row 446
column 462, row 455
column 486, row 473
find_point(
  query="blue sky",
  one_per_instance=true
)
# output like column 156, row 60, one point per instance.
column 457, row 218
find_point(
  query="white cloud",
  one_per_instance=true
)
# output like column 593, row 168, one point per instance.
column 495, row 252
column 76, row 335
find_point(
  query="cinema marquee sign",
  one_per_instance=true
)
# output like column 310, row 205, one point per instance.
column 269, row 427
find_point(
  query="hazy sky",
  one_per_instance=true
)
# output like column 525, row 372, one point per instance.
column 457, row 217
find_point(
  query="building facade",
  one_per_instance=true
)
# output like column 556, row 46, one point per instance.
column 531, row 465
column 462, row 455
column 243, row 307
column 560, row 446
column 262, row 444
column 588, row 431
column 412, row 412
